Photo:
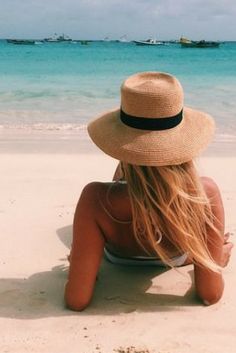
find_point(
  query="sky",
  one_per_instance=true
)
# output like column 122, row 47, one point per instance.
column 137, row 19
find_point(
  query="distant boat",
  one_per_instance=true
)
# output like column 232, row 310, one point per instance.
column 184, row 40
column 84, row 42
column 21, row 41
column 58, row 38
column 150, row 41
column 187, row 43
column 123, row 39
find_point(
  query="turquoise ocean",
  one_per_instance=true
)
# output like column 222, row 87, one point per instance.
column 62, row 86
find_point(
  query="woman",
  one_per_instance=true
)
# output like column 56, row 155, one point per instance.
column 158, row 211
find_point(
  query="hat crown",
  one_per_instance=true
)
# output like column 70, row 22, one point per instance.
column 152, row 128
column 152, row 95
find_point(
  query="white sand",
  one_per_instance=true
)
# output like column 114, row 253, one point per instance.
column 147, row 309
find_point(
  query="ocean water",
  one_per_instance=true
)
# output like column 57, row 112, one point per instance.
column 64, row 85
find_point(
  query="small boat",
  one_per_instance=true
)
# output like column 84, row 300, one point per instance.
column 187, row 43
column 21, row 41
column 58, row 39
column 123, row 39
column 150, row 41
column 84, row 42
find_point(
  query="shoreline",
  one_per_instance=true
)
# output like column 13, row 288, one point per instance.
column 76, row 141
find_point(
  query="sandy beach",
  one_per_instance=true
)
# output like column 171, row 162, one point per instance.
column 150, row 310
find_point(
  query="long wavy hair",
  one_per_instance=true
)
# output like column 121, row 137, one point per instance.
column 170, row 201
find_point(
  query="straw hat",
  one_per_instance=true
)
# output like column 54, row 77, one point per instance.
column 152, row 126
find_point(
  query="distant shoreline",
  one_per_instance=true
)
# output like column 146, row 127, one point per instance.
column 15, row 141
column 172, row 41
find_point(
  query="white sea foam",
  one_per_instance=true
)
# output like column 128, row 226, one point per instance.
column 46, row 127
column 33, row 117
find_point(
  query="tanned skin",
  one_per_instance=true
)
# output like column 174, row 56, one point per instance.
column 93, row 228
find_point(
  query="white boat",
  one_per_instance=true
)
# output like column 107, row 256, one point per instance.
column 150, row 41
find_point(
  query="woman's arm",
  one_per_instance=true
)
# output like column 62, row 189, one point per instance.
column 209, row 284
column 87, row 250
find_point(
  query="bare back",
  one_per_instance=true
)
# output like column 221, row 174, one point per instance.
column 115, row 218
column 103, row 218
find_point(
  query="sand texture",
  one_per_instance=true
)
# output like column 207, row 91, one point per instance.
column 144, row 311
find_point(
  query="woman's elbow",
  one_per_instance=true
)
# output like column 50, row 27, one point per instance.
column 76, row 305
column 210, row 297
column 75, row 302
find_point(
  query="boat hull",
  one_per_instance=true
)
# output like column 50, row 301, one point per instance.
column 144, row 43
column 21, row 41
column 200, row 45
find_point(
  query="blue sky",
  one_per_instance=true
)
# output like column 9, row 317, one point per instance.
column 138, row 19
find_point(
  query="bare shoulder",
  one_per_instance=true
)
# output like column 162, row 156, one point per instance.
column 214, row 196
column 92, row 192
column 89, row 201
column 111, row 197
column 211, row 188
column 92, row 188
column 97, row 192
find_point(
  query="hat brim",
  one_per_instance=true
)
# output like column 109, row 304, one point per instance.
column 141, row 147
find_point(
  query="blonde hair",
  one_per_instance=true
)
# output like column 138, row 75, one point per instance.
column 170, row 201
